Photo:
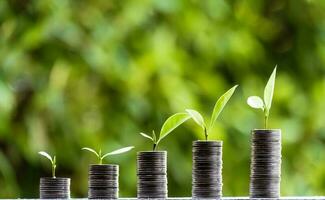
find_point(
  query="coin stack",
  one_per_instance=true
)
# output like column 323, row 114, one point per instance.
column 54, row 188
column 152, row 174
column 207, row 170
column 265, row 164
column 103, row 182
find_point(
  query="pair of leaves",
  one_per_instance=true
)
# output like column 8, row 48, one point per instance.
column 257, row 102
column 219, row 106
column 101, row 157
column 153, row 138
column 170, row 124
column 46, row 155
column 53, row 161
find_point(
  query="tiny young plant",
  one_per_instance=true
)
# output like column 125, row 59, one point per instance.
column 258, row 103
column 101, row 157
column 219, row 106
column 170, row 124
column 53, row 161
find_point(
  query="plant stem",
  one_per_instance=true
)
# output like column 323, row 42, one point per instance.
column 206, row 133
column 154, row 146
column 53, row 170
column 265, row 121
column 100, row 157
column 53, row 166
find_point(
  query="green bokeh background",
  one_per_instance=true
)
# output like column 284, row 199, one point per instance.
column 96, row 73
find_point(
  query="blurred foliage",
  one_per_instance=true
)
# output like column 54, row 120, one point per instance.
column 96, row 73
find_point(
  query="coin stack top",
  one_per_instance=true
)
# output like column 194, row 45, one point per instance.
column 207, row 169
column 103, row 182
column 152, row 174
column 265, row 175
column 54, row 188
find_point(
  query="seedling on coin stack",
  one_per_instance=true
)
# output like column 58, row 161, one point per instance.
column 266, row 149
column 54, row 187
column 207, row 155
column 170, row 124
column 103, row 178
column 265, row 103
column 151, row 171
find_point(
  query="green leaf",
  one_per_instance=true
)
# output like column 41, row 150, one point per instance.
column 119, row 151
column 220, row 104
column 269, row 89
column 171, row 123
column 146, row 136
column 154, row 137
column 46, row 155
column 197, row 117
column 91, row 150
column 255, row 102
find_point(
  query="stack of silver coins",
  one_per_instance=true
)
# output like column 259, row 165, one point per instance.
column 103, row 182
column 207, row 170
column 152, row 175
column 54, row 188
column 265, row 175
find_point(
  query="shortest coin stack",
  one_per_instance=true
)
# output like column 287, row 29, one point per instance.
column 152, row 175
column 103, row 182
column 207, row 170
column 265, row 164
column 54, row 188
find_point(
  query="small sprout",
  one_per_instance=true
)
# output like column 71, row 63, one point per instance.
column 101, row 157
column 170, row 124
column 53, row 161
column 219, row 106
column 258, row 103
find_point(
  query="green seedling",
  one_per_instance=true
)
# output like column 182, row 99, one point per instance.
column 100, row 157
column 53, row 161
column 219, row 106
column 265, row 106
column 170, row 124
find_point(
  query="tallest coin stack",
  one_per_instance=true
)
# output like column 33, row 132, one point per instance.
column 265, row 164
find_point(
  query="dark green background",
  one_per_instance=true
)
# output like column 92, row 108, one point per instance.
column 97, row 72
